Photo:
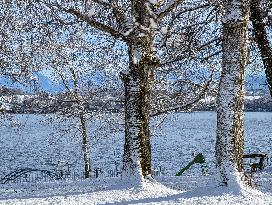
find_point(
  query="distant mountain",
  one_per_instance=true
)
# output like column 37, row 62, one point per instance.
column 254, row 83
column 45, row 83
column 13, row 84
column 41, row 82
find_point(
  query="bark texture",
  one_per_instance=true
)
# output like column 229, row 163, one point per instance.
column 262, row 41
column 230, row 102
column 138, row 82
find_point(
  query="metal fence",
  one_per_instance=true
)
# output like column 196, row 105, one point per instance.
column 28, row 175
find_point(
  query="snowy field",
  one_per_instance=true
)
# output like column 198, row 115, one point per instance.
column 175, row 142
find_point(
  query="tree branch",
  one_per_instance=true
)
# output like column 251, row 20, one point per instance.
column 169, row 8
column 119, row 14
column 185, row 53
column 186, row 106
column 162, row 14
column 211, row 55
column 103, row 3
column 94, row 24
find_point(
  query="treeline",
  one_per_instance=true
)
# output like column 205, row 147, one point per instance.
column 18, row 102
column 252, row 104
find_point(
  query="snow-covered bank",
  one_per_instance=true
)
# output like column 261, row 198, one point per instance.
column 113, row 191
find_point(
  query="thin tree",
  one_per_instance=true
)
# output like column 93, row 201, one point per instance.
column 74, row 72
column 74, row 97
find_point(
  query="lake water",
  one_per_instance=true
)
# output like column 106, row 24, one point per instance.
column 40, row 143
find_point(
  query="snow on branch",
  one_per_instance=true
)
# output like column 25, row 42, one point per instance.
column 185, row 10
column 169, row 8
column 234, row 11
column 102, row 2
column 190, row 10
column 93, row 23
column 120, row 17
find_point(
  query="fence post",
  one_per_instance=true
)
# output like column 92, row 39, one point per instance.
column 96, row 173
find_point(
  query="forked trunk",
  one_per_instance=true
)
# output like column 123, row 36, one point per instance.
column 138, row 82
column 230, row 102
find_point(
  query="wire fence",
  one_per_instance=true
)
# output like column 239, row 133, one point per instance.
column 28, row 175
column 64, row 170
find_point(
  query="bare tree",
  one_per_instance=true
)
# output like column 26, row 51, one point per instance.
column 15, row 58
column 79, row 111
column 135, row 22
column 154, row 37
column 68, row 66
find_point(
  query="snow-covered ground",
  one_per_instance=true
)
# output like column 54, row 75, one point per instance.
column 39, row 145
column 114, row 191
column 33, row 146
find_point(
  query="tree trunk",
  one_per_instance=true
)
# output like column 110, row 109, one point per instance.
column 230, row 102
column 83, row 127
column 85, row 145
column 262, row 41
column 138, row 83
